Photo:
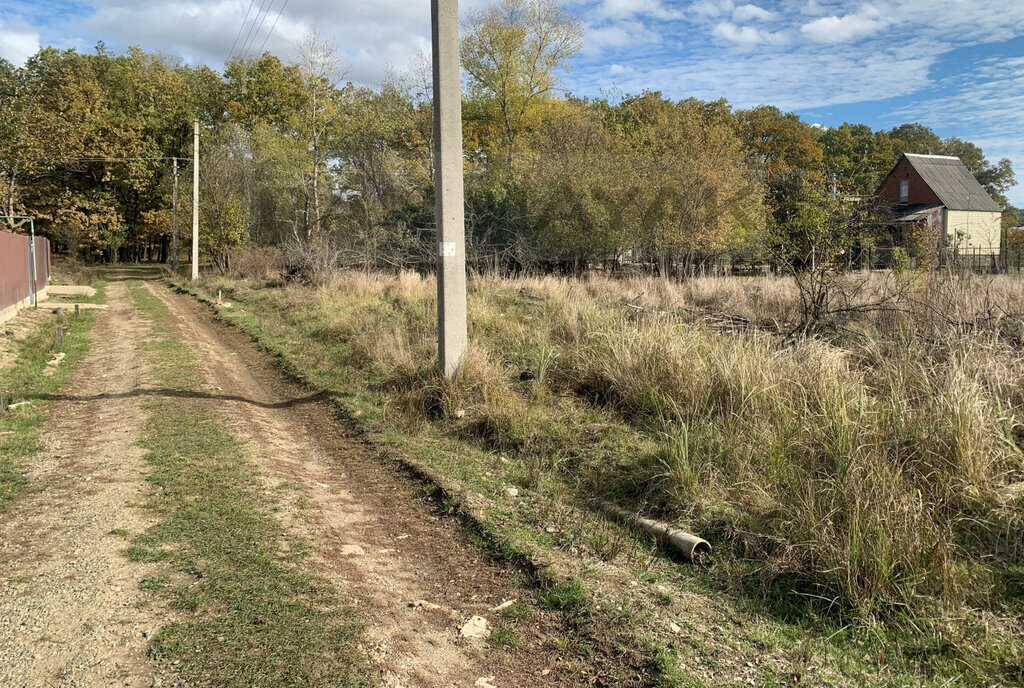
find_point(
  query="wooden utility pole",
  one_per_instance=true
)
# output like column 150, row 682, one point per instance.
column 452, row 337
column 174, row 213
column 195, row 200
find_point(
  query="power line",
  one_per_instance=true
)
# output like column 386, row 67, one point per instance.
column 241, row 48
column 273, row 26
column 260, row 27
column 240, row 27
column 251, row 36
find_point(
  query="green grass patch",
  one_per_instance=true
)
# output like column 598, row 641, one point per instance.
column 21, row 428
column 253, row 617
column 504, row 637
column 568, row 596
column 518, row 611
column 153, row 583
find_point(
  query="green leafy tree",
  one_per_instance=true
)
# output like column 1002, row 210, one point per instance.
column 579, row 194
column 997, row 179
column 856, row 158
column 785, row 154
column 915, row 138
column 511, row 53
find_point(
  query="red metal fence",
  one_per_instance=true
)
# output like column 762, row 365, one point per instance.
column 15, row 285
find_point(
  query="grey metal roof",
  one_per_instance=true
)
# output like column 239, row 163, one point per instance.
column 911, row 213
column 952, row 182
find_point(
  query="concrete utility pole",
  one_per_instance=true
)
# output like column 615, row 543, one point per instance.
column 452, row 338
column 174, row 213
column 195, row 200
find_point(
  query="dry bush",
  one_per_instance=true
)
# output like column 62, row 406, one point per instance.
column 259, row 263
column 71, row 271
column 316, row 262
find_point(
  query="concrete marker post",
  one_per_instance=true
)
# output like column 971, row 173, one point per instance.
column 452, row 336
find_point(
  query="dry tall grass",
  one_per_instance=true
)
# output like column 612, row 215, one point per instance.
column 879, row 471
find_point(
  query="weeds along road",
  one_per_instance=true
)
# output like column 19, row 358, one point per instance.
column 76, row 611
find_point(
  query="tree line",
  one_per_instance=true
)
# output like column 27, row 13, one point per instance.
column 294, row 155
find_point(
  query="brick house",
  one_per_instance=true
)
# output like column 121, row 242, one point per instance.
column 939, row 192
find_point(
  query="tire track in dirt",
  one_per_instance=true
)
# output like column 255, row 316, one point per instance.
column 370, row 533
column 71, row 610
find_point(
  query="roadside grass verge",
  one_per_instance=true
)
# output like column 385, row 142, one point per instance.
column 863, row 496
column 248, row 610
column 21, row 428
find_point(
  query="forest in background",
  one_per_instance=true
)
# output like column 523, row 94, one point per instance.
column 295, row 156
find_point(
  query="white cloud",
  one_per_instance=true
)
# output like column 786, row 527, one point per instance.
column 711, row 8
column 370, row 36
column 791, row 79
column 813, row 7
column 746, row 35
column 624, row 34
column 18, row 40
column 865, row 22
column 747, row 12
column 625, row 9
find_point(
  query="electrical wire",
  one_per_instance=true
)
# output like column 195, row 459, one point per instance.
column 245, row 39
column 240, row 27
column 250, row 38
column 273, row 26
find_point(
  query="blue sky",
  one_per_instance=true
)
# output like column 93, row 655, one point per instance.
column 955, row 65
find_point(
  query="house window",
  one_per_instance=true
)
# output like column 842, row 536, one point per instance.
column 904, row 191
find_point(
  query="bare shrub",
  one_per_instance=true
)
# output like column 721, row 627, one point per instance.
column 74, row 271
column 263, row 263
column 317, row 260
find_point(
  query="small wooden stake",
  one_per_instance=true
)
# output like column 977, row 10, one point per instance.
column 60, row 336
column 77, row 313
column 1, row 402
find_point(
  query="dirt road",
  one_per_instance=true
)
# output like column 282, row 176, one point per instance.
column 70, row 609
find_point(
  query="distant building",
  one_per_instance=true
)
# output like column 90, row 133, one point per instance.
column 939, row 192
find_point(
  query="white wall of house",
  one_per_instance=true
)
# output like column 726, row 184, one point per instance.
column 974, row 229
